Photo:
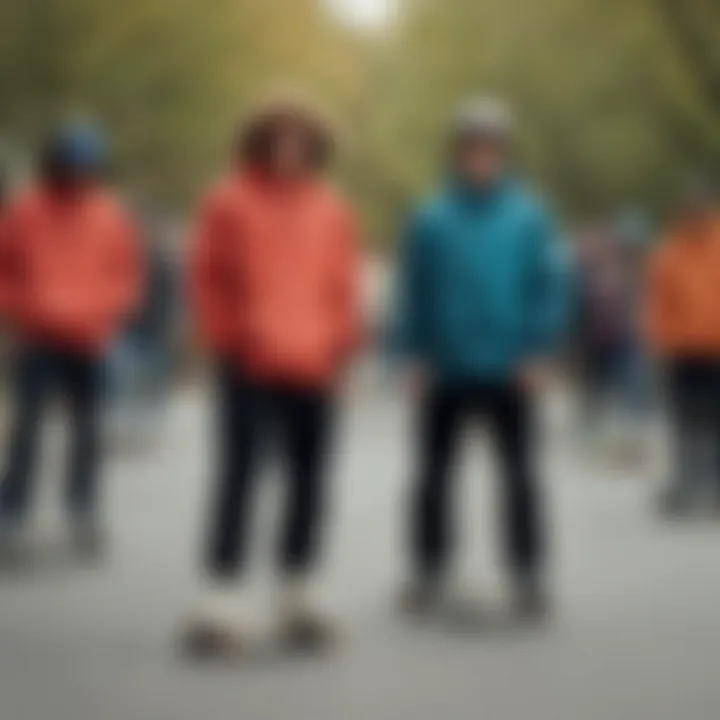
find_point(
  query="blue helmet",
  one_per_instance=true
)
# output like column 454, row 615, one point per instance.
column 78, row 148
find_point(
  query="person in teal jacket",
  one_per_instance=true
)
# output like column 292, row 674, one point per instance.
column 484, row 297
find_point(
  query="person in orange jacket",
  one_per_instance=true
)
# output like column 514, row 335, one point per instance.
column 275, row 275
column 70, row 274
column 683, row 331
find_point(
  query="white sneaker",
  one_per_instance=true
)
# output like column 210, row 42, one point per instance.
column 217, row 628
column 303, row 625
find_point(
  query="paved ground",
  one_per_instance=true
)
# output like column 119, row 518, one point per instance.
column 637, row 634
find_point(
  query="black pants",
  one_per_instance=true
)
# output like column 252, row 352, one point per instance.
column 694, row 398
column 37, row 373
column 248, row 412
column 508, row 413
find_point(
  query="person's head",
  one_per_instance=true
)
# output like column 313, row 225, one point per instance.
column 482, row 141
column 74, row 156
column 286, row 136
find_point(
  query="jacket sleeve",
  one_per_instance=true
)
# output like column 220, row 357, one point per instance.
column 11, row 265
column 551, row 288
column 208, row 280
column 347, row 286
column 408, row 336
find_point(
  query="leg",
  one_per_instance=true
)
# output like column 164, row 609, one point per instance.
column 305, row 425
column 217, row 629
column 511, row 423
column 31, row 379
column 437, row 434
column 592, row 391
column 241, row 414
column 82, row 383
column 685, row 399
column 304, row 420
column 715, row 433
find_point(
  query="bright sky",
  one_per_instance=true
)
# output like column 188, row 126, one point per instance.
column 363, row 12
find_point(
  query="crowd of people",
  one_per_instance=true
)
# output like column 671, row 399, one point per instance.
column 489, row 292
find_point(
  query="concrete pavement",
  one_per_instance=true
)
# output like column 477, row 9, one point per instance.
column 637, row 636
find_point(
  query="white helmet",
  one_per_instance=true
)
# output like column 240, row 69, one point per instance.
column 486, row 117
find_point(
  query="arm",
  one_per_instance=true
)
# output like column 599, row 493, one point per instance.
column 408, row 338
column 208, row 279
column 347, row 287
column 11, row 265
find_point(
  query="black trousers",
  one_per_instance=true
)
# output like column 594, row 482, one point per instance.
column 249, row 412
column 509, row 414
column 694, row 400
column 38, row 372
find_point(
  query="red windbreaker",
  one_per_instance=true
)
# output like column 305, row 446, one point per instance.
column 70, row 268
column 275, row 278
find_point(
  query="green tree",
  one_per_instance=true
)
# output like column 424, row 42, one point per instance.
column 612, row 110
column 167, row 78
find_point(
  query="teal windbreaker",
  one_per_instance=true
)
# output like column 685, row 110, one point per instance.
column 483, row 283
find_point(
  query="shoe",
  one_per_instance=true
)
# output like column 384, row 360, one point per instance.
column 303, row 626
column 216, row 629
column 206, row 638
column 308, row 630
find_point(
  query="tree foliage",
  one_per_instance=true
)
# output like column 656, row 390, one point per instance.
column 166, row 78
column 617, row 99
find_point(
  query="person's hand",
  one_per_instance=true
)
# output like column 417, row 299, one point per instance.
column 534, row 376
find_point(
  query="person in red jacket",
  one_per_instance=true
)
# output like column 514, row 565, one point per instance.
column 70, row 274
column 275, row 291
column 682, row 327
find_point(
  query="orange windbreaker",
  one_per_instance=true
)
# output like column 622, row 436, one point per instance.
column 275, row 278
column 70, row 268
column 683, row 294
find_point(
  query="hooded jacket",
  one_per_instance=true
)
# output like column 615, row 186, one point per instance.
column 682, row 294
column 275, row 278
column 483, row 283
column 70, row 268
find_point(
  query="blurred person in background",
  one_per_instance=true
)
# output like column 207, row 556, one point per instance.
column 276, row 294
column 483, row 302
column 70, row 276
column 609, row 344
column 143, row 360
column 683, row 330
